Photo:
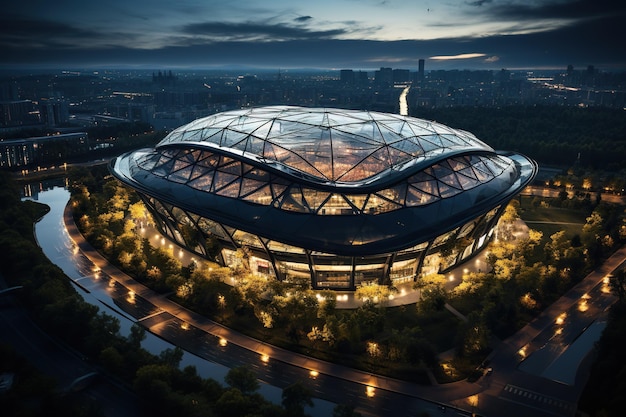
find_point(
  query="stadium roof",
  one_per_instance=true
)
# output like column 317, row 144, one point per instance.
column 336, row 146
column 337, row 181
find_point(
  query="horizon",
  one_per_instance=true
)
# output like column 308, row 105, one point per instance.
column 481, row 34
column 96, row 70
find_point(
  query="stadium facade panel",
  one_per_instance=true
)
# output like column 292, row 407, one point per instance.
column 341, row 197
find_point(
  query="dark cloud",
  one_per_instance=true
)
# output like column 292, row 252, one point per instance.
column 20, row 32
column 478, row 3
column 303, row 18
column 576, row 9
column 598, row 42
column 247, row 30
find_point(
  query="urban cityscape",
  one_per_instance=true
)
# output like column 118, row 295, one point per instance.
column 344, row 209
column 58, row 124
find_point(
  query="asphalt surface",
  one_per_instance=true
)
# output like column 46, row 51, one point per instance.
column 510, row 390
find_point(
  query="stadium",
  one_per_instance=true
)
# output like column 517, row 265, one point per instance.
column 341, row 197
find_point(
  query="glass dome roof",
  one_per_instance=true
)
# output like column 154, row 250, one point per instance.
column 330, row 145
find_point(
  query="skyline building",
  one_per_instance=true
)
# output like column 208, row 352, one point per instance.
column 339, row 197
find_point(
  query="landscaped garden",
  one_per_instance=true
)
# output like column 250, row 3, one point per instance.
column 527, row 270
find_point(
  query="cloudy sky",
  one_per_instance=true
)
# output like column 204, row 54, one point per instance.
column 333, row 34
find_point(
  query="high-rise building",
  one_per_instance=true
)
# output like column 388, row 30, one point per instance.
column 346, row 76
column 383, row 76
column 420, row 72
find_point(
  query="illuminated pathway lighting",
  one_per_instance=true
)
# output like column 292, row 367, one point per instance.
column 522, row 352
column 314, row 373
column 561, row 318
column 184, row 325
column 370, row 391
column 265, row 358
column 223, row 342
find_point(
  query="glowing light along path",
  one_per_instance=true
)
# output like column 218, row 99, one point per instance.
column 404, row 106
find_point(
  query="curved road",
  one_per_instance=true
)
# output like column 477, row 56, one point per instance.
column 508, row 390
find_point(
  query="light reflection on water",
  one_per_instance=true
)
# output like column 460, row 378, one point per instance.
column 57, row 245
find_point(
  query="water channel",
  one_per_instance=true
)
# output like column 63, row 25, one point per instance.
column 100, row 290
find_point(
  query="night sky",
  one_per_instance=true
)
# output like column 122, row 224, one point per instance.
column 320, row 34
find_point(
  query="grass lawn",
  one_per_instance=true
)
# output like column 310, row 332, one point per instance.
column 550, row 220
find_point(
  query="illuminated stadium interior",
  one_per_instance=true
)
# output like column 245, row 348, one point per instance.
column 343, row 197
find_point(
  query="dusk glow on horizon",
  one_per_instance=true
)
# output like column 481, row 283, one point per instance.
column 488, row 34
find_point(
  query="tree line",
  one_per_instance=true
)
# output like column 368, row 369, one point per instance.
column 162, row 387
column 551, row 135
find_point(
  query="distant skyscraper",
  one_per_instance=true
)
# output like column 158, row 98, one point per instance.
column 346, row 76
column 420, row 72
column 401, row 75
column 361, row 77
column 383, row 76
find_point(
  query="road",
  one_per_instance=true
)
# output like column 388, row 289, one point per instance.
column 535, row 371
column 509, row 389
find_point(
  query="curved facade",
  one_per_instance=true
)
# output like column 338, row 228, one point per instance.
column 343, row 197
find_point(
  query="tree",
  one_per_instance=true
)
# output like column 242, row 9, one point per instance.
column 618, row 284
column 138, row 211
column 234, row 403
column 243, row 379
column 374, row 292
column 433, row 298
column 295, row 397
column 172, row 357
column 345, row 410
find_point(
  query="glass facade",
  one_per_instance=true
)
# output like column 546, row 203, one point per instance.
column 341, row 197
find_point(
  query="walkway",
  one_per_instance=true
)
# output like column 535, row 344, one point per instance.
column 265, row 352
column 460, row 394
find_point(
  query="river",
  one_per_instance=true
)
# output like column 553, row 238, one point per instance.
column 57, row 245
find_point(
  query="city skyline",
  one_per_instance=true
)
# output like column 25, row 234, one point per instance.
column 483, row 34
